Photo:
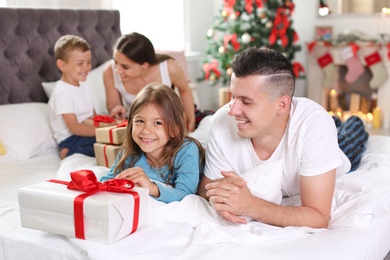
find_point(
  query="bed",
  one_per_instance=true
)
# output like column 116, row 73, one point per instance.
column 189, row 229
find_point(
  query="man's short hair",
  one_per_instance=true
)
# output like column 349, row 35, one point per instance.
column 276, row 68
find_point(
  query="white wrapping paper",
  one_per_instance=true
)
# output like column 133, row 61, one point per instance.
column 108, row 216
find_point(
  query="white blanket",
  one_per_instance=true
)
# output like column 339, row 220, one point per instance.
column 360, row 199
column 192, row 229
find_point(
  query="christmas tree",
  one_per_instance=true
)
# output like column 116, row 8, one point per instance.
column 245, row 23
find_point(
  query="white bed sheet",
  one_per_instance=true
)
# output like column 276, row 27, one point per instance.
column 190, row 229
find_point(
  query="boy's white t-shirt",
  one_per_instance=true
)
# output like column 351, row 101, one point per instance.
column 309, row 146
column 69, row 99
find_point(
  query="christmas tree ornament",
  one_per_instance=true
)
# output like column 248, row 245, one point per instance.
column 354, row 67
column 244, row 17
column 378, row 70
column 222, row 49
column 224, row 13
column 210, row 33
column 233, row 16
column 262, row 14
column 269, row 24
column 229, row 71
column 330, row 70
column 246, row 38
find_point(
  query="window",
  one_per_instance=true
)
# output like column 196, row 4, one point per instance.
column 161, row 21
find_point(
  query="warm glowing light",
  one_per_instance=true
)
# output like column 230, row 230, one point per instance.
column 370, row 116
column 323, row 11
column 385, row 10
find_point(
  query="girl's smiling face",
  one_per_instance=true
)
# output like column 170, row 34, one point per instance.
column 149, row 131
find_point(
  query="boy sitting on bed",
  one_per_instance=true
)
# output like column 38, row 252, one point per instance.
column 71, row 101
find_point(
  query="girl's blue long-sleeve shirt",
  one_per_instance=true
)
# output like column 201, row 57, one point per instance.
column 185, row 177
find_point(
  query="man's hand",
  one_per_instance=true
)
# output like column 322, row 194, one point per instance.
column 230, row 197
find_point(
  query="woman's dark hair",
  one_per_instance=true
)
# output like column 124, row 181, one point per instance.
column 139, row 49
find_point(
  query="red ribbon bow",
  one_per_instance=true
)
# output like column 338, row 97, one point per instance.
column 228, row 6
column 249, row 5
column 208, row 67
column 102, row 119
column 85, row 180
column 297, row 68
column 281, row 23
column 233, row 39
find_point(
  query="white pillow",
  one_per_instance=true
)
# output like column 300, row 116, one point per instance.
column 265, row 181
column 48, row 87
column 25, row 130
column 95, row 81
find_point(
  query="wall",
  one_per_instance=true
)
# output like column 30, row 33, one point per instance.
column 197, row 18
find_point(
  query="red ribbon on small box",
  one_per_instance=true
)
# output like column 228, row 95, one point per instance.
column 123, row 124
column 105, row 155
column 85, row 180
column 102, row 119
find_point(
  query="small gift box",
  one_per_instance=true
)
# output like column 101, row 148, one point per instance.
column 101, row 121
column 112, row 134
column 105, row 154
column 85, row 208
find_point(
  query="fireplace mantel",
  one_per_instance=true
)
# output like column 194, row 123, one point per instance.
column 315, row 75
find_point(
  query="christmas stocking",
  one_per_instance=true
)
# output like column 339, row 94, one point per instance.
column 354, row 67
column 330, row 70
column 379, row 72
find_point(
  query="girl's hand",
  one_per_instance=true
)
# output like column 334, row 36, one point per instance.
column 140, row 179
column 118, row 112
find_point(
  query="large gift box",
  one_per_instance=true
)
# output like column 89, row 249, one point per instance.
column 105, row 154
column 99, row 211
column 111, row 134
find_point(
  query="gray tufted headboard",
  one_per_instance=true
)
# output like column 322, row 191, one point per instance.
column 27, row 38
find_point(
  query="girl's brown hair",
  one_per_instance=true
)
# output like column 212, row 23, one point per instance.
column 172, row 109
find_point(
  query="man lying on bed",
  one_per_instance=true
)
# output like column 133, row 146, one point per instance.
column 264, row 123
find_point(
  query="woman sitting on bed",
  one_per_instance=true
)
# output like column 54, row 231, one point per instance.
column 136, row 64
column 158, row 154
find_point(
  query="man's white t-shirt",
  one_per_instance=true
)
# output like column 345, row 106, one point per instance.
column 69, row 99
column 309, row 146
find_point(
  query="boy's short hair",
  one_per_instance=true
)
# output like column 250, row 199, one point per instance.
column 68, row 43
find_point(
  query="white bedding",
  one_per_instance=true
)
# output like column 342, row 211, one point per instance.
column 191, row 229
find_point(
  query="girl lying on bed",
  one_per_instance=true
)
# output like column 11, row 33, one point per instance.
column 158, row 154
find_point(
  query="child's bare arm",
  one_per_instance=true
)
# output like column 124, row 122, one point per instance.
column 78, row 128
